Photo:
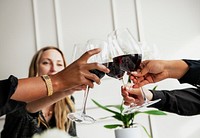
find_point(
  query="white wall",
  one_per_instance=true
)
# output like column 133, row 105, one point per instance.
column 171, row 26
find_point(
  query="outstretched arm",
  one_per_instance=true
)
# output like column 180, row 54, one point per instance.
column 156, row 70
column 74, row 75
column 181, row 101
column 39, row 104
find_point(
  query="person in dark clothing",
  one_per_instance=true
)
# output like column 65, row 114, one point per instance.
column 181, row 101
column 29, row 89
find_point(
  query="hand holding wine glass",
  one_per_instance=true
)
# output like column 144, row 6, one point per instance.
column 151, row 67
column 82, row 117
column 128, row 55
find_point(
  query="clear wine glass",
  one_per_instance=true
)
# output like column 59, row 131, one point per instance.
column 115, row 71
column 128, row 55
column 102, row 58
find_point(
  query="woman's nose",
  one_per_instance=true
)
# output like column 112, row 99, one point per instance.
column 54, row 68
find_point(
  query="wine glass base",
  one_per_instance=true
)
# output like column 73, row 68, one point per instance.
column 81, row 118
column 133, row 109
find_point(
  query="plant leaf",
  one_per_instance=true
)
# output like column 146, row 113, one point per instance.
column 126, row 119
column 118, row 117
column 113, row 126
column 105, row 108
column 154, row 112
column 155, row 87
column 146, row 131
column 115, row 106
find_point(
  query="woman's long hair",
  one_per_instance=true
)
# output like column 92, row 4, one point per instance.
column 62, row 107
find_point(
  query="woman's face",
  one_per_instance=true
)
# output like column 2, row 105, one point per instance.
column 51, row 62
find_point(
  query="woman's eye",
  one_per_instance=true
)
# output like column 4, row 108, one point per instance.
column 60, row 64
column 45, row 63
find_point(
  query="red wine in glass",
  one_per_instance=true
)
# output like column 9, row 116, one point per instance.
column 115, row 71
column 129, row 62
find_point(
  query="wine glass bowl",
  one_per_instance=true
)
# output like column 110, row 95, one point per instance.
column 115, row 71
column 100, row 58
column 126, row 50
column 129, row 62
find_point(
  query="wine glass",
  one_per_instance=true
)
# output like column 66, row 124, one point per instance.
column 128, row 55
column 82, row 117
column 115, row 71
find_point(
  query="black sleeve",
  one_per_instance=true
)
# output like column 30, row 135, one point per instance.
column 193, row 74
column 11, row 106
column 182, row 101
column 7, row 88
column 20, row 124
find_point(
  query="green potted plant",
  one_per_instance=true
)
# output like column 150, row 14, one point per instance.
column 127, row 120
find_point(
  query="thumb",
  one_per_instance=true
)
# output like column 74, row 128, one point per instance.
column 143, row 68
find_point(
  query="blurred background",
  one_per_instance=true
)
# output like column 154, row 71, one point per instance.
column 171, row 29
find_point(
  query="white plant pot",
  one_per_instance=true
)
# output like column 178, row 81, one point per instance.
column 134, row 132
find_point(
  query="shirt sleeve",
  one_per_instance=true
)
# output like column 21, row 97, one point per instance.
column 20, row 124
column 182, row 101
column 193, row 74
column 7, row 88
column 11, row 106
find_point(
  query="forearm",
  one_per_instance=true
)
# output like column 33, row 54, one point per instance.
column 176, row 68
column 37, row 105
column 29, row 91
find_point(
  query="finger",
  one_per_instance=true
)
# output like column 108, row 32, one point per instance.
column 124, row 92
column 150, row 79
column 144, row 69
column 133, row 79
column 84, row 58
column 129, row 99
column 142, row 83
column 140, row 79
column 137, row 79
column 126, row 103
column 140, row 73
column 94, row 66
column 83, row 87
column 89, row 83
column 100, row 67
column 91, row 77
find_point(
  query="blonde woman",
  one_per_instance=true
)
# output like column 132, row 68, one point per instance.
column 37, row 116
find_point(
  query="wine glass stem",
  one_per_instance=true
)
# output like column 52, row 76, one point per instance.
column 123, row 83
column 85, row 100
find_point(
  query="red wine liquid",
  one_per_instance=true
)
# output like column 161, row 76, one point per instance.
column 115, row 70
column 130, row 62
column 99, row 73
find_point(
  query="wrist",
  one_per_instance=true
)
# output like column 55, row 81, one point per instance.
column 148, row 94
column 176, row 68
column 48, row 84
column 55, row 83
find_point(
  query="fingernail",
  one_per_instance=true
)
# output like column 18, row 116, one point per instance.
column 134, row 72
